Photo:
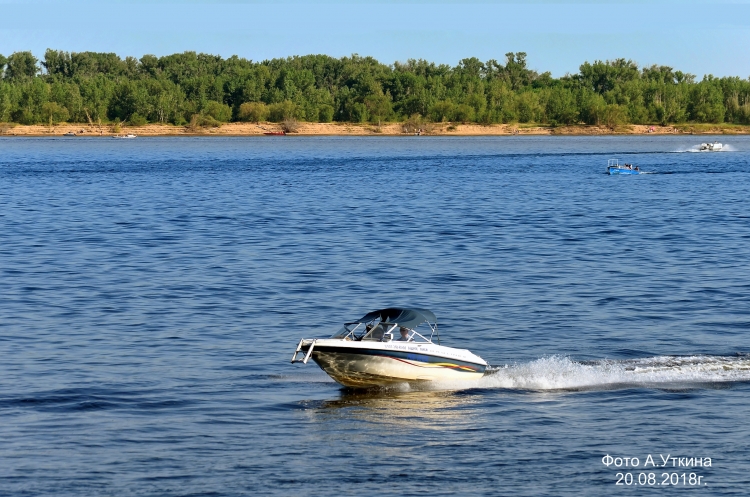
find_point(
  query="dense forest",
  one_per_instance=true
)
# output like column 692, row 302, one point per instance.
column 209, row 90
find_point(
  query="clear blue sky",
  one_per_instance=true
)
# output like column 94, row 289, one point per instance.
column 700, row 37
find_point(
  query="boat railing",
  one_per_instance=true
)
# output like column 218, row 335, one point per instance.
column 414, row 332
column 613, row 163
column 433, row 332
column 384, row 332
column 345, row 332
column 379, row 332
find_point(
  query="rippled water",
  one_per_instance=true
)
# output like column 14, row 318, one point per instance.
column 153, row 291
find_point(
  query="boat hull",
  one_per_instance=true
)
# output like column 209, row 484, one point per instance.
column 615, row 171
column 360, row 367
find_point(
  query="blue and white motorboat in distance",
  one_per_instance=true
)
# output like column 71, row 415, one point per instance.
column 384, row 347
column 614, row 167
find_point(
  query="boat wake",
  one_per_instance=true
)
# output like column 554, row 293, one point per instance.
column 669, row 372
column 697, row 148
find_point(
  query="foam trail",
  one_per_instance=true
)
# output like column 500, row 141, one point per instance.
column 562, row 373
column 696, row 148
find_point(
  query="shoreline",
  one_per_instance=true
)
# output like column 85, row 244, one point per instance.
column 352, row 129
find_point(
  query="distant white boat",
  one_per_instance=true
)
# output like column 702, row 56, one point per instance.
column 125, row 136
column 710, row 147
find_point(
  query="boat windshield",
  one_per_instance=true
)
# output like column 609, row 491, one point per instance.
column 384, row 332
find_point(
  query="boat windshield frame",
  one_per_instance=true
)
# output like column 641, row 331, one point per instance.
column 374, row 326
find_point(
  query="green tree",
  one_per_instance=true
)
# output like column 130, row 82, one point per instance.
column 325, row 113
column 529, row 107
column 591, row 106
column 515, row 72
column 463, row 113
column 54, row 112
column 21, row 65
column 57, row 62
column 137, row 120
column 283, row 111
column 501, row 102
column 32, row 95
column 442, row 111
column 614, row 114
column 68, row 95
column 8, row 94
column 478, row 103
column 606, row 76
column 220, row 112
column 97, row 94
column 378, row 107
column 253, row 111
column 706, row 102
column 561, row 106
column 129, row 97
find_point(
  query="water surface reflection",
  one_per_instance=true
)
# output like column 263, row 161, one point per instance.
column 429, row 410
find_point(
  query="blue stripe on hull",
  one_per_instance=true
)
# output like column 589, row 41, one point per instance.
column 614, row 171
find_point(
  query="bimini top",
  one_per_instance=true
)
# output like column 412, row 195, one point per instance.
column 408, row 318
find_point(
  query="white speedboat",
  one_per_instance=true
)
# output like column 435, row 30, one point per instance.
column 129, row 135
column 384, row 347
column 711, row 147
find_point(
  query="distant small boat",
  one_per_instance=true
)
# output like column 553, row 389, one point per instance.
column 614, row 167
column 69, row 133
column 125, row 136
column 275, row 133
column 711, row 147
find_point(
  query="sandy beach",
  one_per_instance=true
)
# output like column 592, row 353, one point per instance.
column 352, row 129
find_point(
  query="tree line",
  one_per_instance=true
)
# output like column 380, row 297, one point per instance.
column 206, row 89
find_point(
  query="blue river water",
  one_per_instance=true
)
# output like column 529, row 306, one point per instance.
column 153, row 291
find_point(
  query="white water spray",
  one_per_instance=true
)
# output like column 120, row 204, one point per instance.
column 562, row 373
column 696, row 148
